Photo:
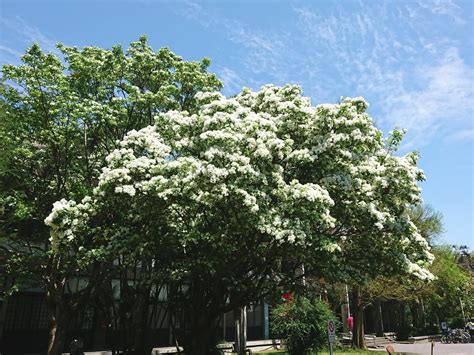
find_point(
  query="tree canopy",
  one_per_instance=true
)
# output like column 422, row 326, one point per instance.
column 232, row 199
column 61, row 115
column 225, row 200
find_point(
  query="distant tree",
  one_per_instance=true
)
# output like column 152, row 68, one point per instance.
column 430, row 302
column 61, row 116
column 451, row 287
column 428, row 221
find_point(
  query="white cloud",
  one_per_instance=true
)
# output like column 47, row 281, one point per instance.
column 9, row 55
column 444, row 7
column 419, row 84
column 17, row 35
column 261, row 52
column 414, row 77
column 233, row 83
column 443, row 102
column 461, row 136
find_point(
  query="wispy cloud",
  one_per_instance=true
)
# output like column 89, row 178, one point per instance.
column 461, row 136
column 404, row 58
column 17, row 35
column 261, row 51
column 417, row 83
column 445, row 98
column 233, row 83
column 444, row 7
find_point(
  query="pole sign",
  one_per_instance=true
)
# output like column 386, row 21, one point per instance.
column 331, row 331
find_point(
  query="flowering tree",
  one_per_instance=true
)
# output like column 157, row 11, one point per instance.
column 60, row 117
column 228, row 202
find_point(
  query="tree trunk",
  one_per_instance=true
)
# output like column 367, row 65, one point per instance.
column 241, row 330
column 421, row 311
column 140, row 320
column 60, row 320
column 202, row 338
column 344, row 316
column 403, row 329
column 415, row 316
column 100, row 329
column 358, row 336
column 378, row 318
column 403, row 318
column 3, row 315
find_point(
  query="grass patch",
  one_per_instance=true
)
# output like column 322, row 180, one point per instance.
column 337, row 352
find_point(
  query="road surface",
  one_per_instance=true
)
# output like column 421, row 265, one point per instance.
column 439, row 349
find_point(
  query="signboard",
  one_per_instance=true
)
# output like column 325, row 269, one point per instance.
column 331, row 331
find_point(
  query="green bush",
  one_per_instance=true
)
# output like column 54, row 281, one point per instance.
column 456, row 322
column 302, row 323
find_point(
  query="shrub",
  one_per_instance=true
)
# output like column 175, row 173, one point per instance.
column 302, row 322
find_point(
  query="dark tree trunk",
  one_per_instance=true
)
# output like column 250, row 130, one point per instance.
column 60, row 319
column 392, row 316
column 415, row 316
column 3, row 315
column 140, row 321
column 403, row 319
column 421, row 314
column 57, row 339
column 240, row 330
column 358, row 336
column 100, row 329
column 202, row 338
column 378, row 318
column 418, row 313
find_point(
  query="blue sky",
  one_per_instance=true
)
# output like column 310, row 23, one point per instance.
column 412, row 60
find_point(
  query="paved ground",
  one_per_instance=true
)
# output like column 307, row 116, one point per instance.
column 439, row 349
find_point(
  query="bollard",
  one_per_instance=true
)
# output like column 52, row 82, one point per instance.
column 432, row 347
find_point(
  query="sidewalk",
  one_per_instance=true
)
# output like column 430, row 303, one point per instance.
column 439, row 349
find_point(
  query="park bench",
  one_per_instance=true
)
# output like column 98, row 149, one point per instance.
column 374, row 341
column 166, row 350
column 390, row 336
column 425, row 338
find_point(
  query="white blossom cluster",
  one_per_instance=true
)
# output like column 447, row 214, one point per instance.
column 66, row 218
column 263, row 162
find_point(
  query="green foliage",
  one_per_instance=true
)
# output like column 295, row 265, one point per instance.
column 451, row 287
column 302, row 323
column 59, row 118
column 428, row 221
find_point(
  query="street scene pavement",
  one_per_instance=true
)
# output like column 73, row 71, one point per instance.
column 439, row 348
